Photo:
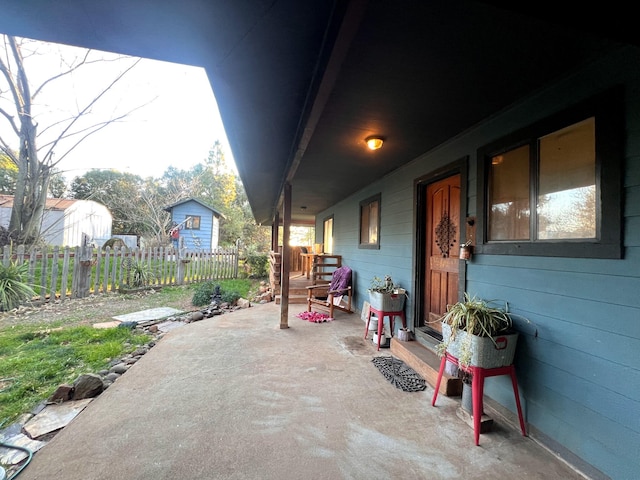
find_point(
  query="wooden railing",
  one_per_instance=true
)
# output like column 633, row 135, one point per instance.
column 64, row 273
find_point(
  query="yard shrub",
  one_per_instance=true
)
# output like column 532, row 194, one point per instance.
column 202, row 294
column 14, row 290
column 230, row 297
column 259, row 263
column 137, row 273
column 230, row 291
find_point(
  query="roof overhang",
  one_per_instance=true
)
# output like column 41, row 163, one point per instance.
column 300, row 84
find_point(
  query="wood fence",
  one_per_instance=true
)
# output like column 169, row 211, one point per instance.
column 63, row 273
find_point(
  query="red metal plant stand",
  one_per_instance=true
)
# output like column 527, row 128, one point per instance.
column 477, row 389
column 380, row 316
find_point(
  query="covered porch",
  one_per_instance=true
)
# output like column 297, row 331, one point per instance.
column 223, row 398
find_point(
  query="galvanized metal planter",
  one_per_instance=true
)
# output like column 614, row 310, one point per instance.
column 486, row 352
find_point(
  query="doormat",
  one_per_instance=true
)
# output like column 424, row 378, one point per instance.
column 400, row 374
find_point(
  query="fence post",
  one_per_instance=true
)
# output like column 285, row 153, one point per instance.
column 6, row 256
column 84, row 268
column 181, row 266
column 236, row 259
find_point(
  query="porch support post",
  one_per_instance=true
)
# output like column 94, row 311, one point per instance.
column 286, row 258
column 274, row 232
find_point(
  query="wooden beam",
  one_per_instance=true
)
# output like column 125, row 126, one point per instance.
column 274, row 232
column 286, row 258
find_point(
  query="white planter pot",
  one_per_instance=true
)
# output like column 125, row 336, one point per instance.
column 383, row 338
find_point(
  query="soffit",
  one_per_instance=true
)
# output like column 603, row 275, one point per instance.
column 298, row 88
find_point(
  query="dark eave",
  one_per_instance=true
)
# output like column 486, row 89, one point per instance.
column 300, row 84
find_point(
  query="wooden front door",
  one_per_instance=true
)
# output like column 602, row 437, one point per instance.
column 442, row 247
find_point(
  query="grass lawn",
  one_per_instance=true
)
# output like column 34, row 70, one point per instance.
column 43, row 347
column 34, row 361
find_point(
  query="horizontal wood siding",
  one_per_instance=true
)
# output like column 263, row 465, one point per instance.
column 195, row 239
column 578, row 355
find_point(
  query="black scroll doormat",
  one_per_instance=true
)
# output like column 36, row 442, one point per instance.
column 400, row 374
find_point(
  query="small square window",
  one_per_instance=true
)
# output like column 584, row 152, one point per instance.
column 370, row 222
column 192, row 223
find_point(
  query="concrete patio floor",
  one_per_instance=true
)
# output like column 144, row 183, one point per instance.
column 236, row 397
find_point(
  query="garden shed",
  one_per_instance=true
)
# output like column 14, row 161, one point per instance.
column 65, row 221
column 198, row 224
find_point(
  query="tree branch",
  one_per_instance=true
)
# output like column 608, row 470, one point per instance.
column 63, row 134
column 63, row 74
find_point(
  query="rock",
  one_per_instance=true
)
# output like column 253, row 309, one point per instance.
column 153, row 329
column 195, row 316
column 88, row 385
column 266, row 297
column 243, row 303
column 119, row 368
column 138, row 352
column 112, row 377
column 129, row 325
column 63, row 393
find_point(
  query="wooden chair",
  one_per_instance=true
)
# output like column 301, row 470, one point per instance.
column 330, row 296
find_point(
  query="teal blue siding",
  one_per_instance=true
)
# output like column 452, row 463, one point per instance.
column 578, row 355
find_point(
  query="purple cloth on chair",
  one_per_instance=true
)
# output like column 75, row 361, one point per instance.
column 340, row 279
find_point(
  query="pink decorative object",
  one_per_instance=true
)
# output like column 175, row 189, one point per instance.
column 314, row 317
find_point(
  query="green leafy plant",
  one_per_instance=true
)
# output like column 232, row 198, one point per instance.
column 137, row 273
column 383, row 285
column 259, row 265
column 230, row 291
column 202, row 294
column 14, row 290
column 473, row 316
column 230, row 297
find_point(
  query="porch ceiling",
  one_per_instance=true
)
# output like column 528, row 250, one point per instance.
column 300, row 84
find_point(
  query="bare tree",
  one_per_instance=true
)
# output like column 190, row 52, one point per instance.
column 35, row 159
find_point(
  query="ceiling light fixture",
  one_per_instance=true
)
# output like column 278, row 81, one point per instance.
column 374, row 142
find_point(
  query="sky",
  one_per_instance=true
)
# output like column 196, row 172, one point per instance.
column 176, row 125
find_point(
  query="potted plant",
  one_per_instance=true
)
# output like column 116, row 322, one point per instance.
column 385, row 295
column 478, row 334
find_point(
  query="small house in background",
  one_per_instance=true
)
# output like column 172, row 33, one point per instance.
column 199, row 224
column 65, row 221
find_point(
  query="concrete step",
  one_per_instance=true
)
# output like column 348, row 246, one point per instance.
column 293, row 299
column 427, row 363
column 298, row 292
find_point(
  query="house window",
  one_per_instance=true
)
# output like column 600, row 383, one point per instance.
column 327, row 238
column 370, row 222
column 192, row 223
column 553, row 189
